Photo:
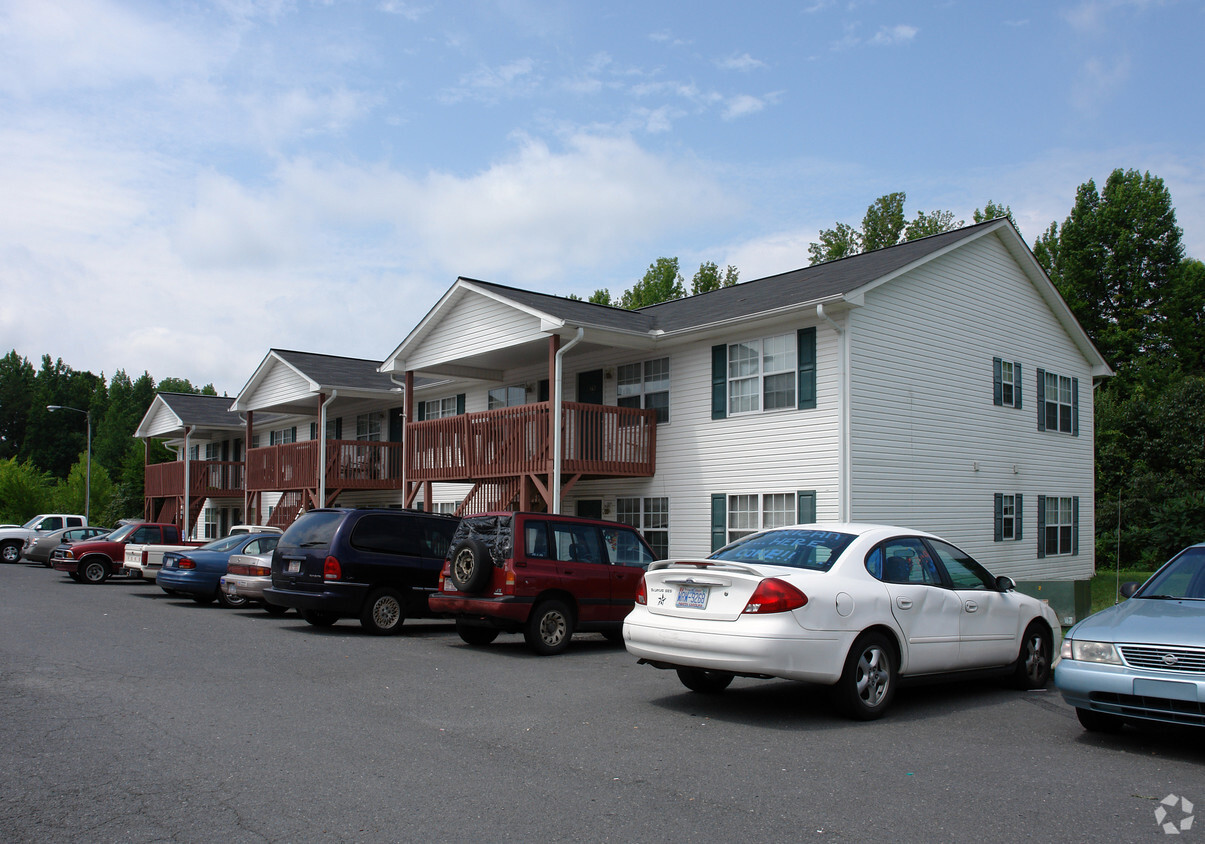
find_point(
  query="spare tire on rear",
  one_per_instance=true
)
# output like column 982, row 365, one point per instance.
column 471, row 566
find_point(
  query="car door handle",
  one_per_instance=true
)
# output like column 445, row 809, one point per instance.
column 971, row 606
column 904, row 603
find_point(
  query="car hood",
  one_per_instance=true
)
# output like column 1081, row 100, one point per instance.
column 1147, row 621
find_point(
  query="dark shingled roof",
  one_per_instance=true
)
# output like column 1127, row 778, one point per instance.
column 202, row 411
column 810, row 284
column 332, row 371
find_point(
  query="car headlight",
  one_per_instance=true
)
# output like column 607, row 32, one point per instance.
column 1083, row 651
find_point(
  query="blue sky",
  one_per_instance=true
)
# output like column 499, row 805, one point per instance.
column 188, row 184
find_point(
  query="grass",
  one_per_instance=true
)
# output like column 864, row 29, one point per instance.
column 1104, row 586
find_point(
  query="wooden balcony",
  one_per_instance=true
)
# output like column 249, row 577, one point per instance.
column 597, row 441
column 207, row 479
column 350, row 464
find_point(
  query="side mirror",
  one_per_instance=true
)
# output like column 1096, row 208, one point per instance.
column 1129, row 588
column 1005, row 584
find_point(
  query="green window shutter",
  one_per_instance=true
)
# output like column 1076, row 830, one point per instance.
column 719, row 382
column 1041, row 526
column 293, row 433
column 999, row 517
column 997, row 382
column 1041, row 403
column 1075, row 407
column 719, row 521
column 1075, row 525
column 459, row 404
column 1017, row 384
column 806, row 339
column 338, row 427
column 313, row 430
column 422, row 411
column 1018, row 517
column 805, row 506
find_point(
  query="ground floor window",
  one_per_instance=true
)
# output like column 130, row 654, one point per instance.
column 735, row 516
column 1058, row 525
column 210, row 525
column 650, row 516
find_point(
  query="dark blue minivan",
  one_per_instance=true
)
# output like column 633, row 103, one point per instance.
column 377, row 565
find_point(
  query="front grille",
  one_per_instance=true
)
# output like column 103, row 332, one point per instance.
column 1164, row 658
column 1154, row 708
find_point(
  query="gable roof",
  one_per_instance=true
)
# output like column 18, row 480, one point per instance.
column 170, row 413
column 846, row 279
column 322, row 374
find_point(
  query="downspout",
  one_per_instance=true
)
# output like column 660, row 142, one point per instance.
column 405, row 434
column 322, row 448
column 556, row 428
column 187, row 482
column 844, row 484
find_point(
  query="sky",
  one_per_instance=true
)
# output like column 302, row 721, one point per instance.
column 186, row 185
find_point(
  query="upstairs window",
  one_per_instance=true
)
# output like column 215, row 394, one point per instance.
column 507, row 397
column 1058, row 403
column 368, row 427
column 441, row 408
column 645, row 385
column 1006, row 383
column 768, row 374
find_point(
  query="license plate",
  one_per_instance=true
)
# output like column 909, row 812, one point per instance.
column 692, row 597
column 294, row 566
column 231, row 589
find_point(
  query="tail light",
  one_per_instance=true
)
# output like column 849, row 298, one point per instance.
column 508, row 586
column 642, row 595
column 331, row 570
column 185, row 563
column 146, row 555
column 774, row 595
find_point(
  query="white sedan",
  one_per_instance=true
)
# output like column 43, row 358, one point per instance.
column 855, row 607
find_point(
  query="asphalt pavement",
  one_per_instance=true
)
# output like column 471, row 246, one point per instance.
column 132, row 716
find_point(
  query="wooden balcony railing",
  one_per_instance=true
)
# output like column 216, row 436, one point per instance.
column 207, row 479
column 597, row 440
column 350, row 464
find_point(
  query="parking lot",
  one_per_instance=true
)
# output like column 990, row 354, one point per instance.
column 133, row 716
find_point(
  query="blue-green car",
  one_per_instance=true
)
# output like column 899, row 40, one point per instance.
column 198, row 572
column 1144, row 659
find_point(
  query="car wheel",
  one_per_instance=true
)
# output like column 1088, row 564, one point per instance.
column 46, row 564
column 10, row 552
column 203, row 600
column 549, row 628
column 319, row 619
column 474, row 634
column 1032, row 670
column 75, row 575
column 471, row 566
column 1098, row 722
column 94, row 571
column 383, row 613
column 231, row 602
column 703, row 681
column 274, row 609
column 867, row 685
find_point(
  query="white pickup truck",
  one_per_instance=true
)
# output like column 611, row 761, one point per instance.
column 145, row 560
column 12, row 539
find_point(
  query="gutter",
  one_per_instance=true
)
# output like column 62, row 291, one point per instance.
column 322, row 448
column 556, row 428
column 844, row 466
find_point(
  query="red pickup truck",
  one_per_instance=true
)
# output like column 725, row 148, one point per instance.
column 95, row 561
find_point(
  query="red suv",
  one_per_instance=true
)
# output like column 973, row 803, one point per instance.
column 542, row 575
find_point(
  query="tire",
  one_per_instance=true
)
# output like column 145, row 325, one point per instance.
column 471, row 566
column 384, row 613
column 10, row 552
column 319, row 619
column 231, row 602
column 75, row 575
column 867, row 684
column 47, row 564
column 472, row 634
column 1098, row 722
column 1032, row 669
column 93, row 570
column 274, row 609
column 549, row 628
column 703, row 681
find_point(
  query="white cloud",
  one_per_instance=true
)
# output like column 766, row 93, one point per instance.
column 891, row 35
column 489, row 84
column 742, row 105
column 743, row 62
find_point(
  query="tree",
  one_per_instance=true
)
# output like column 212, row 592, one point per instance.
column 934, row 222
column 884, row 225
column 992, row 211
column 1113, row 259
column 708, row 278
column 661, row 283
column 16, row 398
column 183, row 385
column 24, row 491
column 841, row 241
column 601, row 297
column 1184, row 315
column 70, row 496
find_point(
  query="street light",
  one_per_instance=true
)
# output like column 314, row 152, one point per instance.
column 88, row 477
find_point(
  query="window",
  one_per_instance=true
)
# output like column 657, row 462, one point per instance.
column 210, row 530
column 368, row 427
column 441, row 408
column 1006, row 383
column 1058, row 403
column 645, row 385
column 964, row 573
column 1058, row 525
column 1008, row 515
column 282, row 436
column 507, row 397
column 773, row 373
column 903, row 560
column 194, row 452
column 624, row 548
column 445, row 507
column 213, row 451
column 650, row 516
column 750, row 513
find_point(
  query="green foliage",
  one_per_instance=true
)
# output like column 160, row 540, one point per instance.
column 882, row 226
column 992, row 211
column 69, row 495
column 661, row 283
column 183, row 385
column 601, row 297
column 708, row 277
column 16, row 398
column 934, row 222
column 24, row 491
column 841, row 241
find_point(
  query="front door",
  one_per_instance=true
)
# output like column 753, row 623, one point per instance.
column 927, row 612
column 590, row 387
column 590, row 424
column 989, row 619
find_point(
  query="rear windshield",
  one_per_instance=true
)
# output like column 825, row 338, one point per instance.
column 794, row 548
column 313, row 530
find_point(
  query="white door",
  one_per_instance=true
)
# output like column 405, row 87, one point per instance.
column 989, row 619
